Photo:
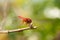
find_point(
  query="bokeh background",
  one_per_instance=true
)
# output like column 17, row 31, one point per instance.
column 45, row 14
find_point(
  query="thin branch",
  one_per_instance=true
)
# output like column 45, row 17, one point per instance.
column 19, row 30
column 16, row 30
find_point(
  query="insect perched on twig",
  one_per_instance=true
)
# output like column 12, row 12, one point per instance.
column 28, row 21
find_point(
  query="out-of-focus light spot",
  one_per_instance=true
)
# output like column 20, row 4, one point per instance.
column 52, row 12
column 33, row 37
column 59, row 13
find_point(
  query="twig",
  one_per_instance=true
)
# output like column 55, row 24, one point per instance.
column 22, row 29
column 16, row 30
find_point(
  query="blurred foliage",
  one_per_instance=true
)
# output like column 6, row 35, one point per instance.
column 57, row 3
column 46, row 27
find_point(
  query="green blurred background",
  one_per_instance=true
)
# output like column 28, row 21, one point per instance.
column 44, row 14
